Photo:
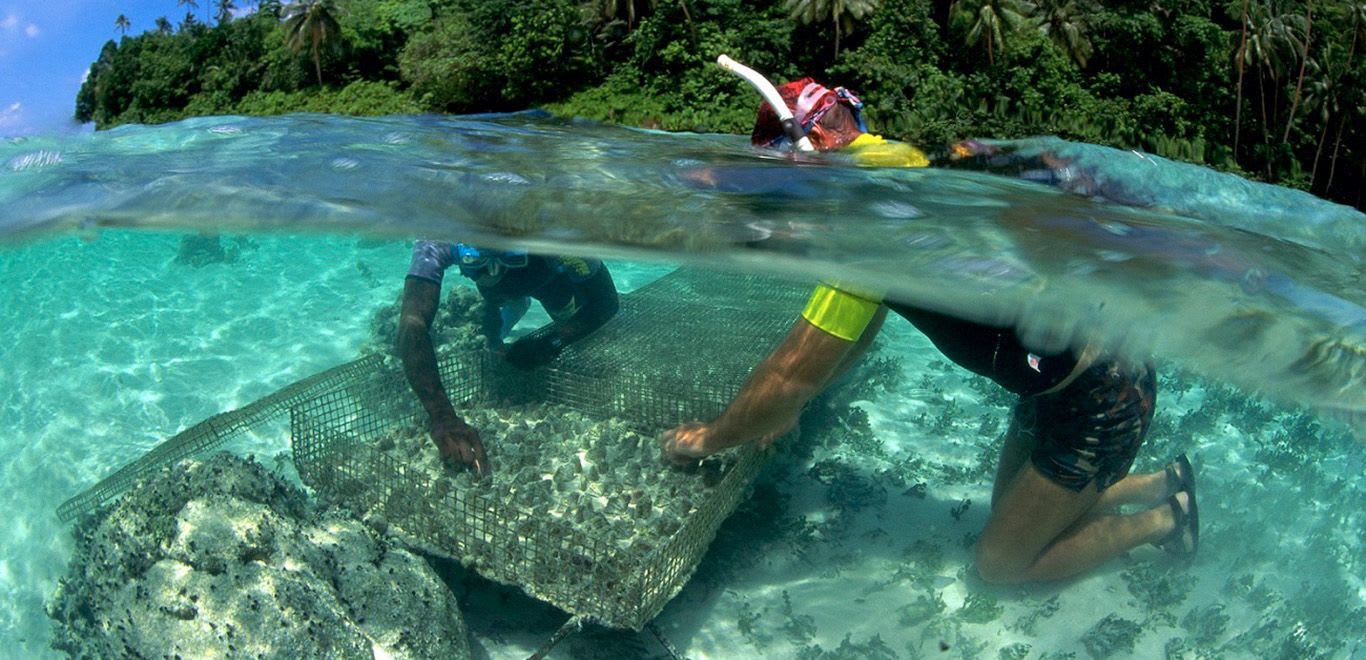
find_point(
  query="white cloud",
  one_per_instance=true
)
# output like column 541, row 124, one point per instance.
column 11, row 115
column 15, row 120
column 11, row 27
column 11, row 23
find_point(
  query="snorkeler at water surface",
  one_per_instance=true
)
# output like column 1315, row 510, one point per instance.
column 578, row 294
column 1074, row 434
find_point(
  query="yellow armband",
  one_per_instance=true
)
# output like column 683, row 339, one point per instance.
column 839, row 313
column 873, row 150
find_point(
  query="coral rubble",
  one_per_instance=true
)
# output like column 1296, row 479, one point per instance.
column 221, row 558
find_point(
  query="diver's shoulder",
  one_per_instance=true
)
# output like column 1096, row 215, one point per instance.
column 577, row 268
column 874, row 150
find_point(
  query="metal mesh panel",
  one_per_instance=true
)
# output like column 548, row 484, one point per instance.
column 214, row 432
column 551, row 560
column 677, row 351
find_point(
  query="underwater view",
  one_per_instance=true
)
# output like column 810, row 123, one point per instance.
column 155, row 277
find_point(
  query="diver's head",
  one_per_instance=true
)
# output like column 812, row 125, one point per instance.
column 483, row 264
column 831, row 118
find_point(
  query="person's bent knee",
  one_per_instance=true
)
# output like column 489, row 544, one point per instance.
column 998, row 565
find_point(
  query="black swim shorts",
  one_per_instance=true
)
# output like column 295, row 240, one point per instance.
column 1091, row 429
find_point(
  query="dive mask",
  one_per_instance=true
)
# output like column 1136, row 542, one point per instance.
column 474, row 259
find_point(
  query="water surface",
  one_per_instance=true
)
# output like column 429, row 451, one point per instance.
column 109, row 342
column 1250, row 283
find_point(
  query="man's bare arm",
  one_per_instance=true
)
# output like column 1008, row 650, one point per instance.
column 415, row 350
column 456, row 440
column 771, row 400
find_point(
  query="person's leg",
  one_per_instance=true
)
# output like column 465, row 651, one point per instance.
column 1016, row 446
column 1049, row 520
column 1146, row 490
column 1041, row 531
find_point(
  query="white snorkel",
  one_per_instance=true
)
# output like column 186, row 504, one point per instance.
column 770, row 94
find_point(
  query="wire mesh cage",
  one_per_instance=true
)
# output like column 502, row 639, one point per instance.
column 676, row 352
column 214, row 432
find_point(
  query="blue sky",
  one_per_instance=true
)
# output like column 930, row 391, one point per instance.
column 47, row 46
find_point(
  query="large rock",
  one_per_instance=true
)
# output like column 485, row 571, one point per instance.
column 455, row 328
column 221, row 558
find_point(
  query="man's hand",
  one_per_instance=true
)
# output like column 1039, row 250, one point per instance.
column 459, row 444
column 691, row 442
column 533, row 351
column 687, row 444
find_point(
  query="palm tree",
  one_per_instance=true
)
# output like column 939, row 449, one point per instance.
column 311, row 22
column 612, row 10
column 1304, row 61
column 270, row 8
column 687, row 15
column 1353, row 14
column 1239, row 59
column 192, row 4
column 1065, row 22
column 605, row 16
column 1322, row 96
column 164, row 26
column 122, row 24
column 990, row 20
column 225, row 8
column 840, row 13
column 1273, row 38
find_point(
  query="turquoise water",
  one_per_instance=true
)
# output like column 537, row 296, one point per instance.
column 1256, row 285
column 109, row 345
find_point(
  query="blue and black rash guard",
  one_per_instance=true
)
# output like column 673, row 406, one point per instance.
column 578, row 294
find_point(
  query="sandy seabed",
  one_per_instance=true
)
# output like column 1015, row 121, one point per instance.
column 859, row 544
column 856, row 542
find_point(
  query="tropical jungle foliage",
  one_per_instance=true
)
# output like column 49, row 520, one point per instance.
column 1275, row 89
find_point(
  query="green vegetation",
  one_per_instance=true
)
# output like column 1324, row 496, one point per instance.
column 1205, row 624
column 1112, row 637
column 1274, row 89
column 1028, row 623
column 924, row 607
column 1158, row 589
column 800, row 628
column 980, row 608
column 312, row 23
column 872, row 649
